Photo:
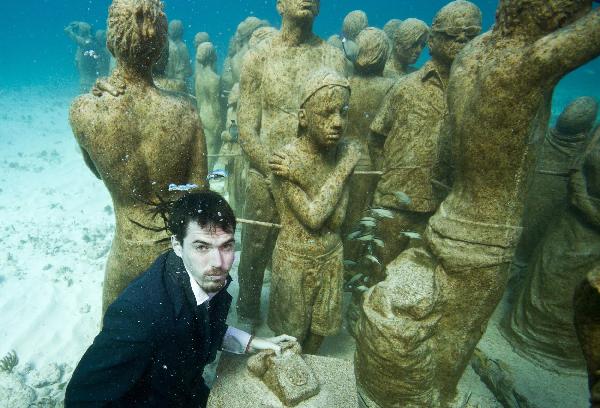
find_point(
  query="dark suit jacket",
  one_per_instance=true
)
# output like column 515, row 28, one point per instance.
column 154, row 344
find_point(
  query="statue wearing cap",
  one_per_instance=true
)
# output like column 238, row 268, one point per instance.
column 310, row 186
column 271, row 83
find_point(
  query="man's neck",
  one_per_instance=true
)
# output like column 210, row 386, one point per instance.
column 134, row 76
column 296, row 32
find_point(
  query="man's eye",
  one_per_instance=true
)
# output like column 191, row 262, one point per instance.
column 229, row 246
column 202, row 248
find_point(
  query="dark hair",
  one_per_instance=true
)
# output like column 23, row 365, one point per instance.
column 207, row 208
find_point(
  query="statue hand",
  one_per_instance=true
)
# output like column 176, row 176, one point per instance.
column 105, row 85
column 283, row 165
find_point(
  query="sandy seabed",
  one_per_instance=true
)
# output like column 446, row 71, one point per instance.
column 57, row 226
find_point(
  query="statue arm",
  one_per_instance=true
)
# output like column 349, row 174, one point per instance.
column 314, row 211
column 250, row 113
column 564, row 50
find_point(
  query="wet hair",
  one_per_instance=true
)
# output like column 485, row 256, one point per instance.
column 207, row 208
column 137, row 31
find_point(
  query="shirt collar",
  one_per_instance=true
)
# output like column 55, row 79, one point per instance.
column 429, row 71
column 199, row 294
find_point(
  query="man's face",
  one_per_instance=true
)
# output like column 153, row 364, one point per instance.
column 326, row 115
column 410, row 53
column 207, row 254
column 298, row 9
column 446, row 43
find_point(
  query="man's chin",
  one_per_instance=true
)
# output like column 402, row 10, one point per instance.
column 213, row 286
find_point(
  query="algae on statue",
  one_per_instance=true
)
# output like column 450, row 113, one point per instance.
column 271, row 79
column 408, row 41
column 509, row 72
column 137, row 139
column 310, row 187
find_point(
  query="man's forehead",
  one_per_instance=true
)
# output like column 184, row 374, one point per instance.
column 206, row 233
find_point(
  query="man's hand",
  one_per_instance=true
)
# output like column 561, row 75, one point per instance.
column 270, row 343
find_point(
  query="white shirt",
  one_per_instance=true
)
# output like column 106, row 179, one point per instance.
column 235, row 340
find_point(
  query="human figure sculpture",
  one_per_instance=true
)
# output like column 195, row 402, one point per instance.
column 509, row 72
column 200, row 38
column 390, row 28
column 369, row 87
column 408, row 42
column 354, row 23
column 586, row 303
column 237, row 50
column 179, row 66
column 310, row 187
column 159, row 75
column 407, row 132
column 137, row 139
column 85, row 56
column 208, row 98
column 547, row 196
column 271, row 78
column 103, row 55
column 541, row 321
column 231, row 156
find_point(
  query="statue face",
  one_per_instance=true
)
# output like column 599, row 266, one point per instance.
column 298, row 9
column 325, row 116
column 445, row 43
column 410, row 53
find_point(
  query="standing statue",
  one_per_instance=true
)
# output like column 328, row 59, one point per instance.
column 200, row 38
column 231, row 156
column 238, row 48
column 408, row 42
column 310, row 186
column 541, row 321
column 369, row 87
column 407, row 132
column 179, row 66
column 547, row 196
column 272, row 76
column 587, row 323
column 207, row 97
column 498, row 93
column 137, row 139
column 159, row 75
column 85, row 56
column 103, row 55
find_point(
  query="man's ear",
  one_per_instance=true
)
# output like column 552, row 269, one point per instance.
column 176, row 245
column 302, row 121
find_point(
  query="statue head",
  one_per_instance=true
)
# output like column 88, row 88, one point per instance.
column 354, row 23
column 323, row 113
column 261, row 34
column 336, row 41
column 578, row 117
column 453, row 27
column 137, row 31
column 409, row 40
column 248, row 26
column 390, row 28
column 373, row 51
column 176, row 30
column 298, row 9
column 206, row 54
column 85, row 30
column 200, row 38
column 538, row 17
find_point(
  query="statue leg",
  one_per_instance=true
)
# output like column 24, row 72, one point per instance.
column 257, row 247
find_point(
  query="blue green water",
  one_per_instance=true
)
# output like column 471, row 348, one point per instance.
column 35, row 50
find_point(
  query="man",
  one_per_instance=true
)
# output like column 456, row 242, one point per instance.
column 310, row 186
column 409, row 124
column 122, row 130
column 270, row 85
column 169, row 323
column 179, row 66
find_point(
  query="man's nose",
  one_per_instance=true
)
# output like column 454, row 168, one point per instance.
column 216, row 259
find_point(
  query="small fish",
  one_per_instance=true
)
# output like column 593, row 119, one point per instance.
column 182, row 187
column 216, row 175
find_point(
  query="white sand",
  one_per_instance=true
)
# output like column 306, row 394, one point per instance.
column 57, row 227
